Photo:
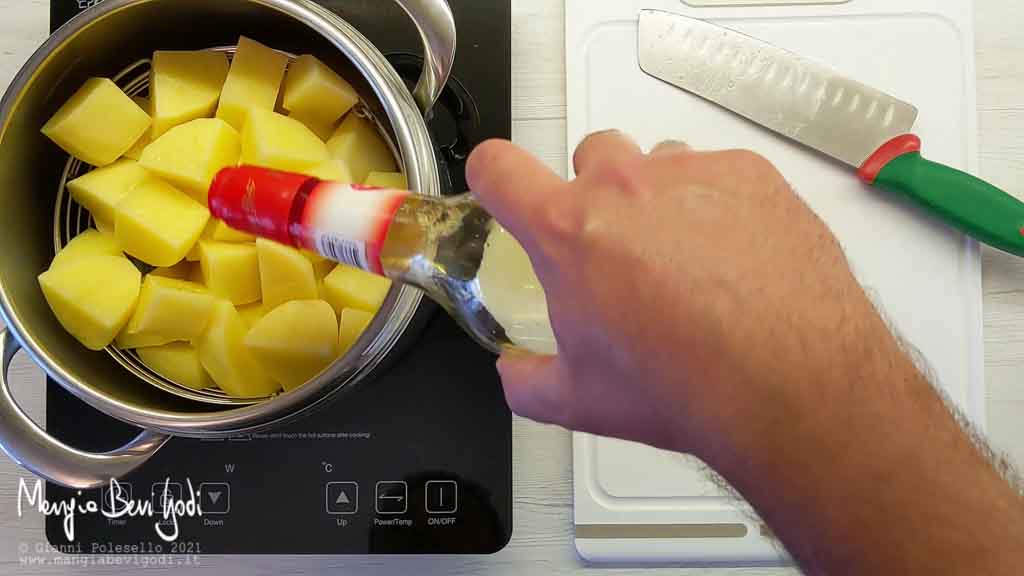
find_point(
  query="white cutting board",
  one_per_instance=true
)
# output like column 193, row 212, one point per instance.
column 634, row 504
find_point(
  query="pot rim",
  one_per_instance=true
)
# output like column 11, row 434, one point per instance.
column 413, row 141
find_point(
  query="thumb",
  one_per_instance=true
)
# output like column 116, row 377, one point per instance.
column 536, row 387
column 511, row 184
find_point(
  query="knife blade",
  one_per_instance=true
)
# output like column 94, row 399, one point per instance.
column 813, row 104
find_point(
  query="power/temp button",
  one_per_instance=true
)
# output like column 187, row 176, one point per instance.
column 442, row 497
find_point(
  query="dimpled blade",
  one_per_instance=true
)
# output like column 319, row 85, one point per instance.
column 780, row 90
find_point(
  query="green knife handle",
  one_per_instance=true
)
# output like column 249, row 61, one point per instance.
column 970, row 204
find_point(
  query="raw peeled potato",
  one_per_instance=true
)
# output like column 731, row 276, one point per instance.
column 190, row 155
column 220, row 307
column 285, row 274
column 101, row 190
column 158, row 224
column 395, row 180
column 175, row 310
column 353, row 323
column 348, row 287
column 357, row 145
column 88, row 243
column 316, row 93
column 231, row 271
column 185, row 86
column 98, row 124
column 226, row 358
column 279, row 142
column 92, row 297
column 253, row 82
column 179, row 363
column 295, row 341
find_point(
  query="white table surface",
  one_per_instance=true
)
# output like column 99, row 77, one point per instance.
column 542, row 542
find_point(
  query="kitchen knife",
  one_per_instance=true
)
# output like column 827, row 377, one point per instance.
column 812, row 104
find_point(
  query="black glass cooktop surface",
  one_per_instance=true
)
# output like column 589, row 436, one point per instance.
column 416, row 461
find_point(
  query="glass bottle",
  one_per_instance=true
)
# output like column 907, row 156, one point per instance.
column 451, row 248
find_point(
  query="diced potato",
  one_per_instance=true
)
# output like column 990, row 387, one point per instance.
column 190, row 155
column 101, row 190
column 179, row 363
column 196, row 275
column 231, row 271
column 357, row 145
column 353, row 324
column 252, row 313
column 88, row 243
column 279, row 142
column 185, row 86
column 322, row 130
column 93, row 297
column 295, row 341
column 316, row 92
column 180, row 271
column 253, row 82
column 348, row 287
column 135, row 152
column 217, row 231
column 158, row 224
column 395, row 180
column 224, row 355
column 134, row 340
column 285, row 274
column 173, row 309
column 98, row 124
column 321, row 266
column 331, row 171
column 105, row 226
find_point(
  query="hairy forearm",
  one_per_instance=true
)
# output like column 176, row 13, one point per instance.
column 866, row 471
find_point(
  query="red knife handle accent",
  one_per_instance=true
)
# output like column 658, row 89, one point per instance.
column 898, row 146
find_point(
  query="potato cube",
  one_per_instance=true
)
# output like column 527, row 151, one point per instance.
column 285, row 274
column 88, row 243
column 395, row 180
column 357, row 145
column 279, row 142
column 321, row 266
column 231, row 271
column 227, row 360
column 134, row 340
column 104, row 226
column 93, row 297
column 331, row 171
column 98, row 124
column 174, row 309
column 252, row 313
column 179, row 363
column 180, row 271
column 253, row 82
column 316, row 92
column 135, row 152
column 348, row 287
column 322, row 130
column 101, row 190
column 353, row 324
column 217, row 231
column 185, row 86
column 158, row 224
column 190, row 155
column 295, row 341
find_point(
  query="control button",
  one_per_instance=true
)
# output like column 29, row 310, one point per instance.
column 122, row 495
column 215, row 497
column 442, row 497
column 342, row 497
column 157, row 493
column 392, row 497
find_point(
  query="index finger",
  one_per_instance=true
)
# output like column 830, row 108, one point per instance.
column 511, row 184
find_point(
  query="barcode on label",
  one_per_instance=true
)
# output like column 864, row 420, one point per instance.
column 343, row 250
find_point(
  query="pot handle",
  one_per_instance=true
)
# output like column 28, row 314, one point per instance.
column 436, row 24
column 43, row 455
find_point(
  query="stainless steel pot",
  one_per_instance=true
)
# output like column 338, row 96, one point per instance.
column 100, row 42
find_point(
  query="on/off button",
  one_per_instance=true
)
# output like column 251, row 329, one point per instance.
column 442, row 497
